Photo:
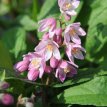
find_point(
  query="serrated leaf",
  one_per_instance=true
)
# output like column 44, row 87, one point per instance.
column 90, row 93
column 97, row 33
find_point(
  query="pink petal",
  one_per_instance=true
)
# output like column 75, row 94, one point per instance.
column 75, row 3
column 54, row 62
column 61, row 75
column 81, row 32
column 75, row 38
column 33, row 75
column 79, row 55
column 48, row 69
column 41, row 45
column 63, row 64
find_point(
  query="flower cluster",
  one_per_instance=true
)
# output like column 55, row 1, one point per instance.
column 47, row 55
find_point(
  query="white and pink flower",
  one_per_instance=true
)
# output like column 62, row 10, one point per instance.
column 47, row 24
column 67, row 7
column 49, row 48
column 72, row 33
column 75, row 51
column 64, row 70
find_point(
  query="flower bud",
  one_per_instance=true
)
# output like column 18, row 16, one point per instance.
column 48, row 69
column 54, row 62
column 21, row 66
column 6, row 99
column 4, row 85
column 58, row 36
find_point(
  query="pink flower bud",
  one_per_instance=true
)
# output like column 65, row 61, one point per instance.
column 54, row 62
column 33, row 75
column 21, row 66
column 6, row 99
column 48, row 69
column 4, row 85
column 58, row 36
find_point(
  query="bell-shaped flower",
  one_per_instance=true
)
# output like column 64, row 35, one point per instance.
column 36, row 66
column 75, row 51
column 49, row 48
column 47, row 24
column 68, row 6
column 65, row 69
column 72, row 33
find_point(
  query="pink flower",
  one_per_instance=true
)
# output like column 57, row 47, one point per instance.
column 6, row 99
column 72, row 32
column 65, row 69
column 34, row 63
column 74, row 50
column 22, row 65
column 49, row 49
column 68, row 6
column 36, row 66
column 47, row 24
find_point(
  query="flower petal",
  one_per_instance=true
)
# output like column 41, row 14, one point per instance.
column 56, row 53
column 79, row 55
column 61, row 75
column 81, row 32
column 48, row 55
column 33, row 74
column 75, row 38
column 41, row 72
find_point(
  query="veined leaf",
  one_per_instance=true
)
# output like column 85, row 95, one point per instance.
column 90, row 93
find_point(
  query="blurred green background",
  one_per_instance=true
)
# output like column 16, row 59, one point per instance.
column 18, row 35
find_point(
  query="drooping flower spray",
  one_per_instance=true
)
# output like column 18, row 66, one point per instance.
column 46, row 57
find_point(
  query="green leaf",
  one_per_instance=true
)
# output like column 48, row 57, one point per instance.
column 5, row 59
column 27, row 23
column 96, row 41
column 3, row 75
column 15, row 41
column 93, row 92
column 48, row 9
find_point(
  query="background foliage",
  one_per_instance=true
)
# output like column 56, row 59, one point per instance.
column 18, row 35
